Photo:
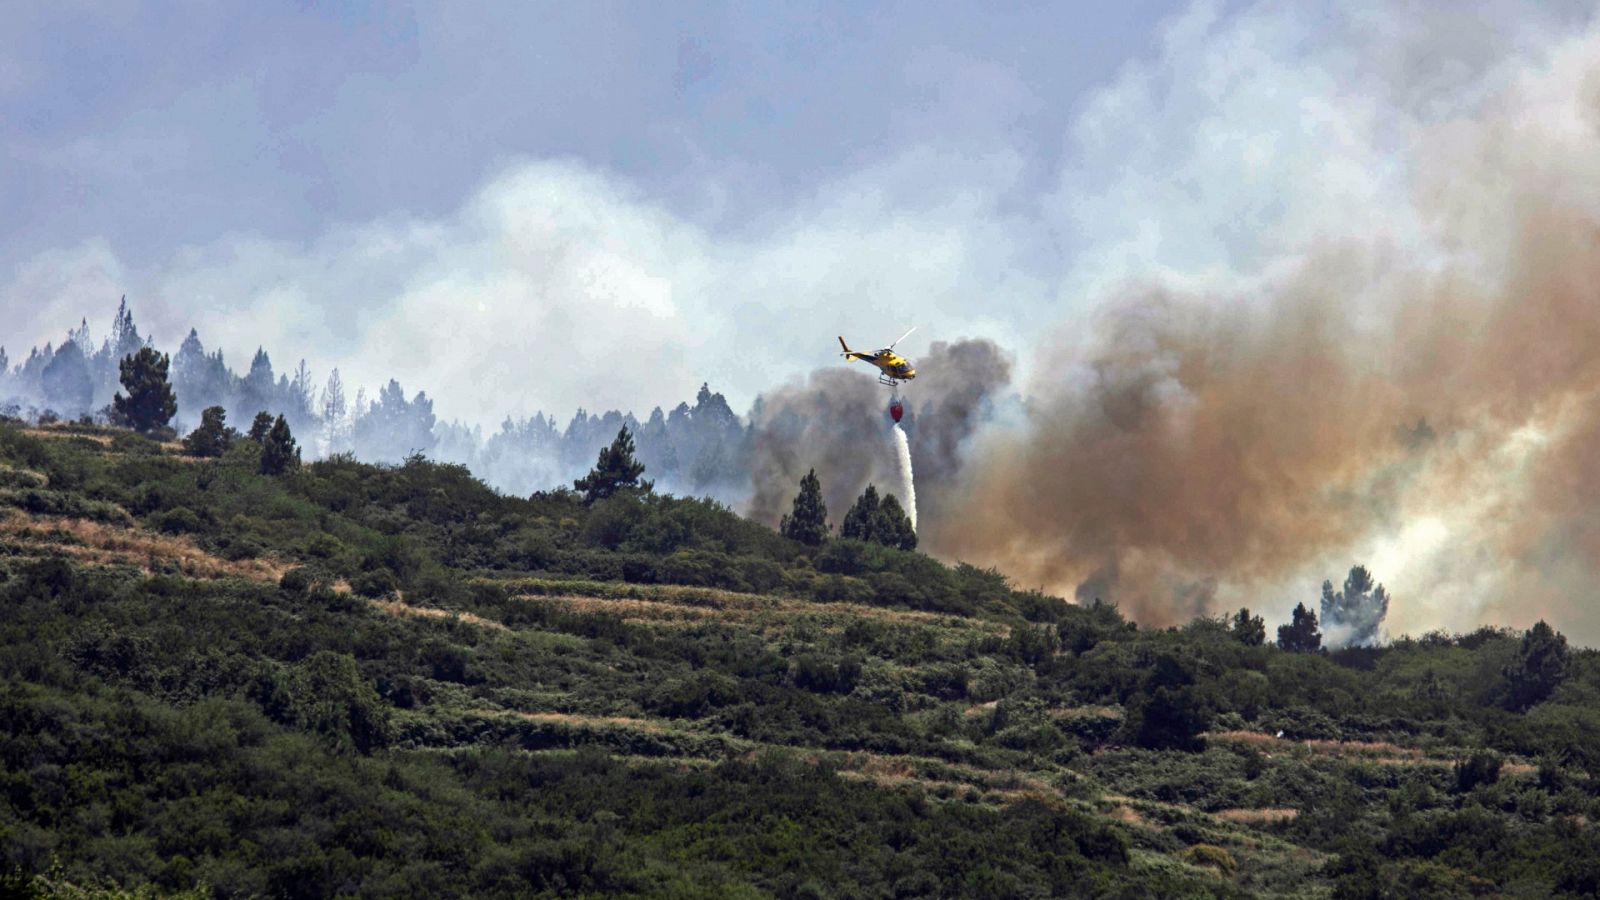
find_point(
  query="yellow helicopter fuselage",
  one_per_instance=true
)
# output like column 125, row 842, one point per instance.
column 892, row 367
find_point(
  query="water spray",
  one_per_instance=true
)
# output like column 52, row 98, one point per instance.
column 903, row 450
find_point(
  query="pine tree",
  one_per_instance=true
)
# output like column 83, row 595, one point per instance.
column 1249, row 630
column 1541, row 664
column 336, row 419
column 278, row 452
column 1300, row 635
column 892, row 527
column 66, row 381
column 1352, row 617
column 393, row 428
column 258, row 388
column 213, row 437
column 615, row 470
column 260, row 426
column 861, row 521
column 333, row 402
column 150, row 403
column 808, row 523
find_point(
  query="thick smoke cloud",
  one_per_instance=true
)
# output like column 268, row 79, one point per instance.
column 1247, row 430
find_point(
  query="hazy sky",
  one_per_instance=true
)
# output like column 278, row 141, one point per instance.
column 541, row 206
column 200, row 156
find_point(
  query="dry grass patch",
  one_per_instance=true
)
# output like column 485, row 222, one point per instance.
column 97, row 543
column 1265, row 816
column 62, row 434
column 576, row 720
column 1127, row 815
column 677, row 604
column 403, row 610
column 635, row 611
column 1085, row 712
column 1376, row 751
column 1382, row 749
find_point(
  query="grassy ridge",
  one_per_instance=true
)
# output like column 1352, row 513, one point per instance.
column 391, row 680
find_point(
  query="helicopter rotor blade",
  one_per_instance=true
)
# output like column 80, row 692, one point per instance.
column 903, row 336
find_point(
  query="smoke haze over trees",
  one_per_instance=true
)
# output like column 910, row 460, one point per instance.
column 1351, row 617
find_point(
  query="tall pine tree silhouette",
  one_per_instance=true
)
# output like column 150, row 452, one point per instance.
column 278, row 452
column 892, row 527
column 808, row 523
column 150, row 403
column 615, row 470
column 861, row 521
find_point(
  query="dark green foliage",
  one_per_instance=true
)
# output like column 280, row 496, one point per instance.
column 1168, row 712
column 505, row 724
column 260, row 427
column 880, row 521
column 279, row 454
column 150, row 403
column 1541, row 664
column 1300, row 635
column 213, row 437
column 1249, row 630
column 329, row 696
column 860, row 522
column 614, row 471
column 893, row 526
column 1482, row 767
column 808, row 521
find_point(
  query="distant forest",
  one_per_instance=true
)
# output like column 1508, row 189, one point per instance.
column 700, row 449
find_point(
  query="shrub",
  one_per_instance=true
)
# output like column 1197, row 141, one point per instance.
column 1210, row 856
column 1482, row 767
column 177, row 521
column 376, row 583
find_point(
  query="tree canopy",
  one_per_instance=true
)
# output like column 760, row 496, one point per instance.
column 1300, row 635
column 808, row 521
column 279, row 453
column 213, row 437
column 614, row 471
column 150, row 403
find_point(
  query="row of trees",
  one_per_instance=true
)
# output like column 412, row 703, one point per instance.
column 696, row 448
column 870, row 518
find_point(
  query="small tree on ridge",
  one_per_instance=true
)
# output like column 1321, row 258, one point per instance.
column 613, row 471
column 150, row 403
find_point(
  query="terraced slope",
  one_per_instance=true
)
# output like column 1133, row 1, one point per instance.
column 376, row 681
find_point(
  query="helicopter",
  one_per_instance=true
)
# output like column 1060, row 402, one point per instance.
column 892, row 368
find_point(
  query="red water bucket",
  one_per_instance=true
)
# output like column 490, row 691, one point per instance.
column 896, row 411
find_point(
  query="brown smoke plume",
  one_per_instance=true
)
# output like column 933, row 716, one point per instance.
column 1194, row 452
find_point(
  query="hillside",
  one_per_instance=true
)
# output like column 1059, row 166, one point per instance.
column 391, row 680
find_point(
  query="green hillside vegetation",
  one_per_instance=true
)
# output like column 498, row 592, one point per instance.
column 243, row 677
